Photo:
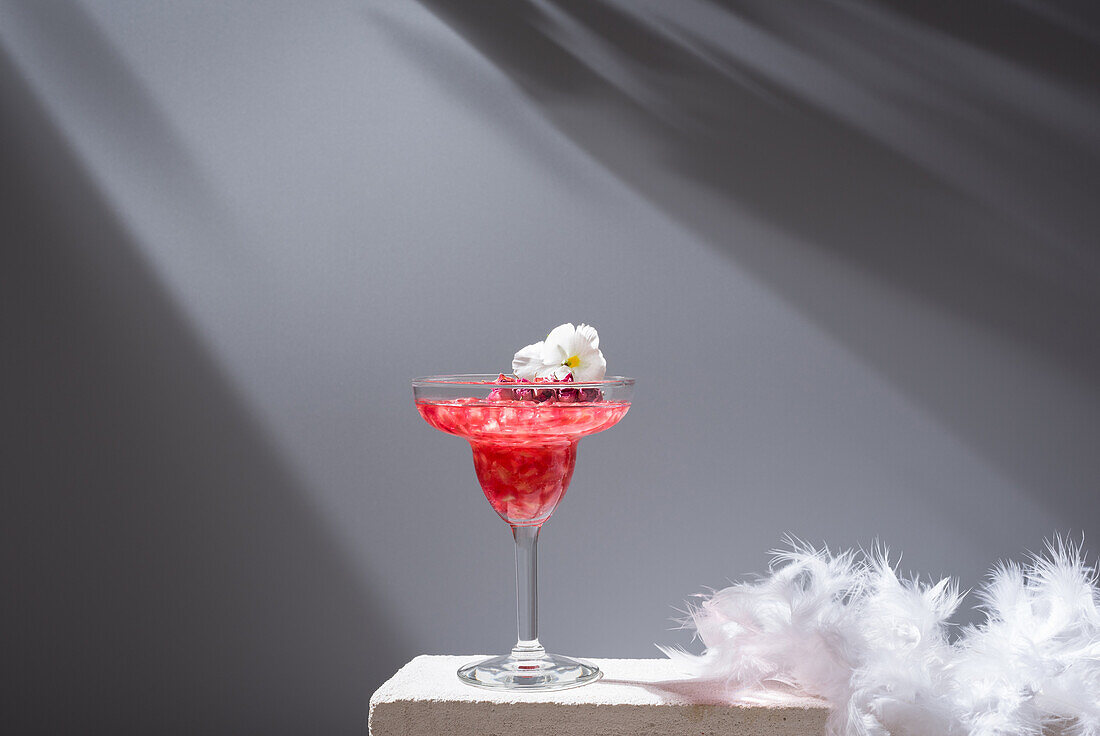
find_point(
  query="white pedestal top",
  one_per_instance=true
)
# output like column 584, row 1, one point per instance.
column 635, row 696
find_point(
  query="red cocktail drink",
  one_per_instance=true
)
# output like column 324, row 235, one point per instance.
column 524, row 451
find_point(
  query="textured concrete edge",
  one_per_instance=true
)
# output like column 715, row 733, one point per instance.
column 424, row 717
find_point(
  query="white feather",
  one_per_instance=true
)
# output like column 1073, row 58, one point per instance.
column 847, row 628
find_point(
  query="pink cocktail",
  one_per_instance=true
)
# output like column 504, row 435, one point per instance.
column 524, row 440
column 524, row 451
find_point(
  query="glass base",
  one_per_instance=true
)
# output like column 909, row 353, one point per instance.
column 529, row 673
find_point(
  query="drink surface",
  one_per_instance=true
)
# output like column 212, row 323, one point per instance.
column 524, row 452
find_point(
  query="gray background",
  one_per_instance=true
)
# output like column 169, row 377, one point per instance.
column 849, row 250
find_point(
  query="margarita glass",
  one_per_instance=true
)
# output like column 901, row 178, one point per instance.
column 524, row 438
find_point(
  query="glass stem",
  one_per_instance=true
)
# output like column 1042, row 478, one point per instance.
column 527, row 595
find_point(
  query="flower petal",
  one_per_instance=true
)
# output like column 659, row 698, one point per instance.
column 528, row 361
column 553, row 353
column 588, row 334
column 582, row 343
column 549, row 371
column 561, row 372
column 592, row 367
column 561, row 333
column 557, row 344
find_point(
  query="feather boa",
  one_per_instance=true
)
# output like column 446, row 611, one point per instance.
column 848, row 628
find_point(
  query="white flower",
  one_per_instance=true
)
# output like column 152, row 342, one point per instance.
column 566, row 351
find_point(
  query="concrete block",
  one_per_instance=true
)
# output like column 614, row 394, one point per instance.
column 635, row 697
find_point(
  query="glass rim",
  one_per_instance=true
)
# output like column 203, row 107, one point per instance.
column 489, row 379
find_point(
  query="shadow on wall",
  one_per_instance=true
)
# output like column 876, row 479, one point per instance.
column 951, row 155
column 163, row 572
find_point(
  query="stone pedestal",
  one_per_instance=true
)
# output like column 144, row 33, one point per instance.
column 635, row 697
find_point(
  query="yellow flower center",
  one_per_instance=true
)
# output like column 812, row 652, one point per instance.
column 573, row 362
